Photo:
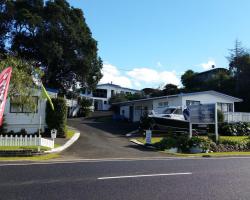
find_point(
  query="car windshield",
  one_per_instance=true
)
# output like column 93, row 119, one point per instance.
column 169, row 111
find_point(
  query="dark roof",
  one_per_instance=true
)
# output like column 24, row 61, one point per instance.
column 235, row 99
column 213, row 71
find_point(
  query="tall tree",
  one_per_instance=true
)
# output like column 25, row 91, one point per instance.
column 170, row 89
column 55, row 35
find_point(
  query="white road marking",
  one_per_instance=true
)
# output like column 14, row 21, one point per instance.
column 143, row 175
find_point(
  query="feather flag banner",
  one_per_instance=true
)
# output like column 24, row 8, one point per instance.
column 46, row 95
column 4, row 86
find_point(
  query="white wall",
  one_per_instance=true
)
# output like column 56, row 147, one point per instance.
column 126, row 111
column 28, row 121
column 206, row 99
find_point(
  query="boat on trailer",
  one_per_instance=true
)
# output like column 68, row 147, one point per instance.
column 172, row 117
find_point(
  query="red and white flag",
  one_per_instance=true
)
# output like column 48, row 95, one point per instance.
column 4, row 86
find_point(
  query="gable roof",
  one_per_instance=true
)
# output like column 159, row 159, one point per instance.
column 212, row 92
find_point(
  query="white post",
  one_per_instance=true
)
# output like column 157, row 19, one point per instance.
column 190, row 130
column 216, row 123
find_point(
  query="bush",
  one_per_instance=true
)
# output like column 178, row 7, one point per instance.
column 85, row 107
column 166, row 143
column 220, row 116
column 236, row 129
column 145, row 122
column 57, row 119
column 201, row 142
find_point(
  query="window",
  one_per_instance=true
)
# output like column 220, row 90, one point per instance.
column 190, row 102
column 16, row 107
column 178, row 111
column 105, row 102
column 162, row 104
column 100, row 93
column 225, row 107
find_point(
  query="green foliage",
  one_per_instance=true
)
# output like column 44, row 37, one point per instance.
column 188, row 81
column 201, row 142
column 170, row 89
column 85, row 106
column 22, row 86
column 57, row 119
column 237, row 129
column 121, row 97
column 54, row 34
column 145, row 122
column 166, row 143
column 220, row 116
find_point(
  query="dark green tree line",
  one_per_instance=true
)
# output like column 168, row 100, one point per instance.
column 56, row 36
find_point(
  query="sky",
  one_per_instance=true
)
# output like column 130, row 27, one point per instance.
column 150, row 43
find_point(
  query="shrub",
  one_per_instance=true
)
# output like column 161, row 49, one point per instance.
column 145, row 122
column 182, row 143
column 56, row 119
column 85, row 106
column 166, row 143
column 201, row 142
column 236, row 129
column 220, row 116
column 3, row 128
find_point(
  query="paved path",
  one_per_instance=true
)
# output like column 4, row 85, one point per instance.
column 176, row 179
column 104, row 140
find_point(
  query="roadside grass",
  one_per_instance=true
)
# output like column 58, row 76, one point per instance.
column 31, row 158
column 69, row 133
column 214, row 154
column 16, row 148
column 221, row 138
column 237, row 139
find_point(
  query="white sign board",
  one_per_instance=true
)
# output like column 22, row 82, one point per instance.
column 148, row 136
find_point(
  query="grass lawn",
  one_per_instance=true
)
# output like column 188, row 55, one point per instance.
column 70, row 133
column 153, row 140
column 31, row 158
column 215, row 154
column 4, row 148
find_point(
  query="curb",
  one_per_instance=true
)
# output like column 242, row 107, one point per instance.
column 66, row 145
column 141, row 144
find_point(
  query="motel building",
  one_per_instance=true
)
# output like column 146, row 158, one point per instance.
column 133, row 110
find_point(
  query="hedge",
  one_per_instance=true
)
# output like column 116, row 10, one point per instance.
column 57, row 119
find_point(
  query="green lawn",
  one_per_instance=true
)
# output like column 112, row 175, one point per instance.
column 5, row 148
column 70, row 133
column 31, row 158
column 153, row 140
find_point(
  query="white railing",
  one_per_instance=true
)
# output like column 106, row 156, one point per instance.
column 25, row 141
column 231, row 117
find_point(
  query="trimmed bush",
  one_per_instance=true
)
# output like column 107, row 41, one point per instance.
column 236, row 129
column 166, row 143
column 57, row 119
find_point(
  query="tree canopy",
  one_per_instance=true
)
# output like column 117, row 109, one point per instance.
column 56, row 36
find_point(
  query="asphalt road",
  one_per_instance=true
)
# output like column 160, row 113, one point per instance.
column 104, row 140
column 207, row 178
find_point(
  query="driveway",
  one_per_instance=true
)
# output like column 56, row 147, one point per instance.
column 104, row 140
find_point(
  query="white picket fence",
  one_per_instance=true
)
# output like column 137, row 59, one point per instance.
column 25, row 141
column 232, row 117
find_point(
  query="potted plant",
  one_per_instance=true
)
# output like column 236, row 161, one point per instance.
column 198, row 144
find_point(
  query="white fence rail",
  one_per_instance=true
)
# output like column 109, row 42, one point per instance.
column 232, row 117
column 25, row 141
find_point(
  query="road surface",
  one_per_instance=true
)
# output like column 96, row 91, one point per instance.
column 163, row 179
